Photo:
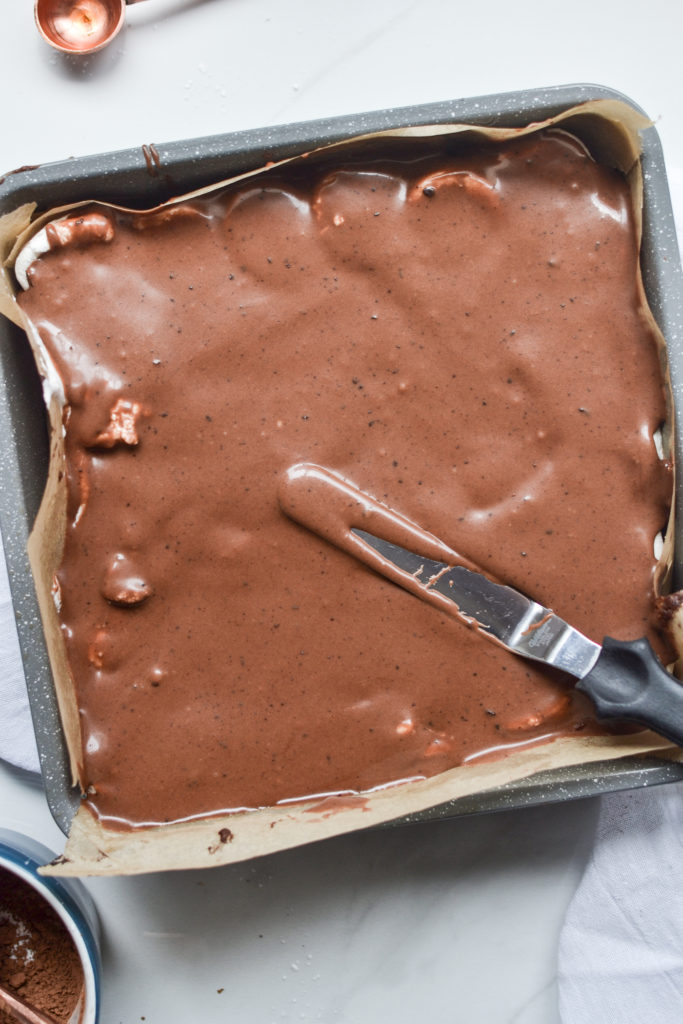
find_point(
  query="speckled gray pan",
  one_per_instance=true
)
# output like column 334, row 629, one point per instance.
column 148, row 175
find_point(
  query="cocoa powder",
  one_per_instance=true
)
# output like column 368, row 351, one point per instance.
column 38, row 959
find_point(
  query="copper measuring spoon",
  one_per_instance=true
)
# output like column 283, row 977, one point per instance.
column 22, row 1011
column 80, row 26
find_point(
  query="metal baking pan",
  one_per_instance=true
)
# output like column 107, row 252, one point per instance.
column 148, row 175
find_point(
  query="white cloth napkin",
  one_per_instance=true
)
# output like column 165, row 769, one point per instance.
column 621, row 945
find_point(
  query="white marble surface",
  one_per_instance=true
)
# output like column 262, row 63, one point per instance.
column 183, row 68
column 450, row 921
column 454, row 921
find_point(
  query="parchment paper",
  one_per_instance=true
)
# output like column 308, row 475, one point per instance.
column 610, row 130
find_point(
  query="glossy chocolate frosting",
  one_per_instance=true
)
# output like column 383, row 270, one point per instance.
column 457, row 334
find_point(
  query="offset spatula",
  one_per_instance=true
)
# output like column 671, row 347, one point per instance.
column 624, row 680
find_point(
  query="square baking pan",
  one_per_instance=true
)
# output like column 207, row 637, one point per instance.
column 143, row 177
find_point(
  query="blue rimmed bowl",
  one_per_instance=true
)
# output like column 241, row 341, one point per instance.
column 21, row 855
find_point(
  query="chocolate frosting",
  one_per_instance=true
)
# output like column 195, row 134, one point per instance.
column 457, row 334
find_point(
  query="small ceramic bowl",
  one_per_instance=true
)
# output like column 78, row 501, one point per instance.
column 22, row 856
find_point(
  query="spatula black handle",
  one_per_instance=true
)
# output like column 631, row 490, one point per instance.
column 629, row 683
